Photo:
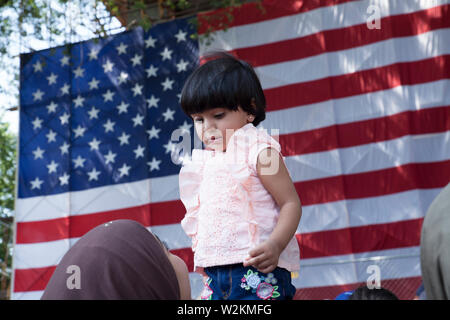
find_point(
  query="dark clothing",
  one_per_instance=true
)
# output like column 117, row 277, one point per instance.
column 236, row 282
column 117, row 260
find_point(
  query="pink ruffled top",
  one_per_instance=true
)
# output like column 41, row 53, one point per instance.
column 228, row 209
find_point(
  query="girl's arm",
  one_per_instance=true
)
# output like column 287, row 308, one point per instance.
column 275, row 178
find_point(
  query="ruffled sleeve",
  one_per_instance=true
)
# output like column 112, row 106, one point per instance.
column 190, row 177
column 260, row 139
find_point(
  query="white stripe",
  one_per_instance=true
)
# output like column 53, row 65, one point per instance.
column 331, row 216
column 314, row 21
column 390, row 208
column 346, row 110
column 100, row 199
column 383, row 53
column 339, row 270
column 370, row 157
column 27, row 295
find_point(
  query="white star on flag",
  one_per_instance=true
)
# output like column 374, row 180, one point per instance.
column 93, row 113
column 36, row 183
column 94, row 144
column 153, row 102
column 151, row 71
column 65, row 89
column 123, row 107
column 79, row 101
column 37, row 123
column 38, row 153
column 108, row 66
column 79, row 72
column 122, row 48
column 52, row 107
column 136, row 60
column 166, row 54
column 124, row 138
column 93, row 174
column 167, row 84
column 79, row 131
column 123, row 77
column 52, row 78
column 108, row 95
column 124, row 170
column 79, row 162
column 64, row 61
column 64, row 118
column 139, row 152
column 153, row 133
column 137, row 89
column 182, row 65
column 110, row 157
column 37, row 95
column 154, row 164
column 64, row 179
column 52, row 167
column 37, row 66
column 64, row 148
column 93, row 84
column 168, row 114
column 137, row 121
column 109, row 125
column 181, row 35
column 93, row 54
column 150, row 42
column 51, row 136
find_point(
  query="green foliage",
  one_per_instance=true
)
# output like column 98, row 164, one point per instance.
column 8, row 144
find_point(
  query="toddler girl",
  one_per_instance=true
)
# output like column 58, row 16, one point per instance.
column 242, row 207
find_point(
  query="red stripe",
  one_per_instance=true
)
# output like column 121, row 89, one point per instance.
column 403, row 288
column 153, row 214
column 352, row 186
column 411, row 176
column 360, row 82
column 312, row 245
column 252, row 13
column 425, row 121
column 32, row 279
column 403, row 25
column 374, row 237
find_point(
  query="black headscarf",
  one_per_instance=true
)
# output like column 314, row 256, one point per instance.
column 117, row 260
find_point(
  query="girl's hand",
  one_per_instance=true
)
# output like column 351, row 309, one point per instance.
column 264, row 257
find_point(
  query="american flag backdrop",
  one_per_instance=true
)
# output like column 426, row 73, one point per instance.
column 360, row 94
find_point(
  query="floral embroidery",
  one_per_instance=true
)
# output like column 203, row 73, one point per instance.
column 207, row 291
column 260, row 285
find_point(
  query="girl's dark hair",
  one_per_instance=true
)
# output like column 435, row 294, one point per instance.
column 364, row 293
column 224, row 82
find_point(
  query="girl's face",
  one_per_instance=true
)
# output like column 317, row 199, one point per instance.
column 212, row 125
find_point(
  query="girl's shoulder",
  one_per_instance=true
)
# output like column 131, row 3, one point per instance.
column 249, row 143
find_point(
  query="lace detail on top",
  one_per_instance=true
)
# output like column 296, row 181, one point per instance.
column 228, row 210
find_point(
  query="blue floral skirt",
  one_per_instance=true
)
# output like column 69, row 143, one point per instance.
column 236, row 282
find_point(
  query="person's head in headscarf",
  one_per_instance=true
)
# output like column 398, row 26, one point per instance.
column 119, row 260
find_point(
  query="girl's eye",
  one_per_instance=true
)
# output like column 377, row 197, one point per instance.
column 218, row 116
